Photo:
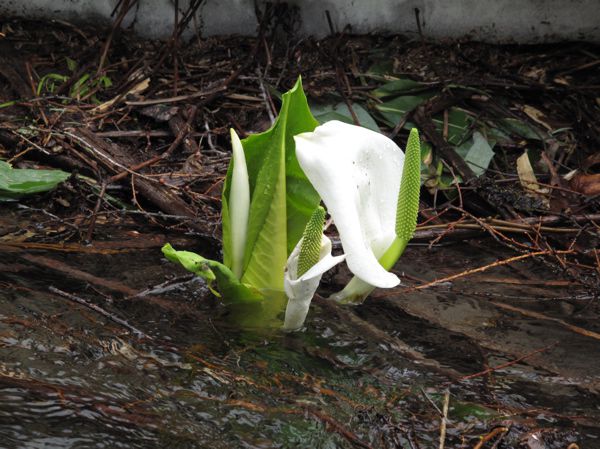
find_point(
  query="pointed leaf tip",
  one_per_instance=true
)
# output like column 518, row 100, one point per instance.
column 310, row 247
column 282, row 198
column 239, row 205
column 407, row 208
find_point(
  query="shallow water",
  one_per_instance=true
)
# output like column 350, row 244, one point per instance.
column 370, row 376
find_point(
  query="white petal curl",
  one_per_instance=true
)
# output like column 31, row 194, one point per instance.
column 300, row 291
column 357, row 172
column 239, row 205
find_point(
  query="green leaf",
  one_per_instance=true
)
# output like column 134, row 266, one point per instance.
column 381, row 70
column 340, row 111
column 15, row 182
column 230, row 288
column 49, row 82
column 396, row 87
column 466, row 411
column 265, row 254
column 8, row 104
column 393, row 111
column 477, row 153
column 519, row 127
column 282, row 198
column 71, row 64
column 80, row 88
column 105, row 81
column 496, row 135
column 458, row 125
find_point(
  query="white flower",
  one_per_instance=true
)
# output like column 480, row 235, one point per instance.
column 357, row 172
column 300, row 290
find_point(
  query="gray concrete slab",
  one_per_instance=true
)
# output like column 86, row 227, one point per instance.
column 522, row 21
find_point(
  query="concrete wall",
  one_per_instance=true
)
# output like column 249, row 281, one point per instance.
column 525, row 21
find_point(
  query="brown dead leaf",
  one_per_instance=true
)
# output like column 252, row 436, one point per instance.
column 590, row 161
column 135, row 90
column 160, row 112
column 18, row 236
column 527, row 177
column 537, row 116
column 561, row 80
column 586, row 184
column 536, row 73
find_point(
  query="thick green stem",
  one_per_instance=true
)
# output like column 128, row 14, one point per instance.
column 393, row 253
column 357, row 290
column 266, row 314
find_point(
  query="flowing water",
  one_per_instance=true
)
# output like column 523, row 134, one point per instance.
column 370, row 376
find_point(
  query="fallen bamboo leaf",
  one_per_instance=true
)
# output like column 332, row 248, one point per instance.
column 397, row 87
column 570, row 175
column 536, row 73
column 477, row 153
column 136, row 89
column 561, row 80
column 340, row 111
column 242, row 97
column 537, row 116
column 528, row 179
column 457, row 123
column 519, row 128
column 394, row 111
column 160, row 112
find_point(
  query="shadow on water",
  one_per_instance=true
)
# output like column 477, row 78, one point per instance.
column 372, row 376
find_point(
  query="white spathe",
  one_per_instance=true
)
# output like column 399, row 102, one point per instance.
column 357, row 172
column 300, row 290
column 239, row 205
